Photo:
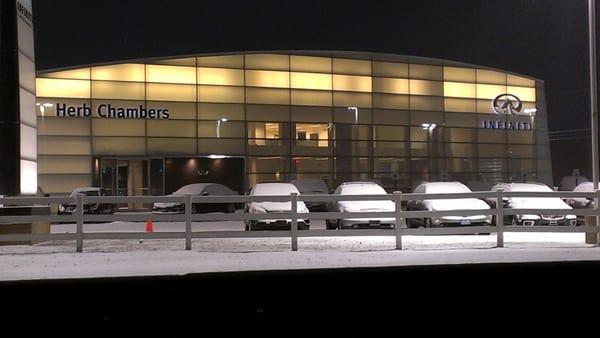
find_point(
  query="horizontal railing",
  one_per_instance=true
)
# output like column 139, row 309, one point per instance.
column 292, row 216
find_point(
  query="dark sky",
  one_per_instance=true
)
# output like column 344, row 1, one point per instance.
column 546, row 39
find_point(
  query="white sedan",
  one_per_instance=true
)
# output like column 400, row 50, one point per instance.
column 274, row 208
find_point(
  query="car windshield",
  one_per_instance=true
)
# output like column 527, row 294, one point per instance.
column 446, row 187
column 90, row 192
column 310, row 185
column 274, row 189
column 363, row 189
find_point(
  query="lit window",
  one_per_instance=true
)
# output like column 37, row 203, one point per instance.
column 312, row 135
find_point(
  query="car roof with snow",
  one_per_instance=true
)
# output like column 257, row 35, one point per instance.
column 81, row 190
column 443, row 187
column 361, row 188
column 531, row 186
column 275, row 188
column 211, row 188
column 308, row 185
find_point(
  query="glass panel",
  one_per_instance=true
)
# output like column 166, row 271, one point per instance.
column 491, row 136
column 311, row 164
column 311, row 98
column 491, row 76
column 390, row 164
column 171, row 146
column 177, row 110
column 459, row 89
column 62, row 88
column 460, row 105
column 64, row 165
column 390, row 101
column 381, row 148
column 223, row 146
column 122, row 72
column 347, row 66
column 63, row 145
column 460, row 135
column 79, row 74
column 220, row 94
column 117, row 90
column 28, row 142
column 171, row 128
column 485, row 91
column 425, row 72
column 268, row 61
column 265, row 78
column 267, row 113
column 341, row 99
column 426, row 103
column 392, row 86
column 521, row 165
column 460, row 150
column 520, row 136
column 523, row 93
column 63, row 184
column 350, row 115
column 26, row 73
column 352, row 83
column 228, row 129
column 215, row 111
column 60, row 126
column 420, row 117
column 220, row 76
column 170, row 74
column 311, row 114
column 230, row 61
column 267, row 96
column 461, row 165
column 119, row 145
column 389, row 116
column 310, row 64
column 352, row 132
column 27, row 108
column 423, row 87
column 459, row 74
column 389, row 133
column 311, row 81
column 260, row 133
column 520, row 151
column 267, row 164
column 390, row 69
column 191, row 62
column 312, row 135
column 491, row 150
column 349, row 165
column 485, row 106
column 170, row 92
column 515, row 80
column 118, row 127
column 351, row 148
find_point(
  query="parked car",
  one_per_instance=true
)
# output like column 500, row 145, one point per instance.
column 581, row 202
column 446, row 204
column 266, row 189
column 88, row 208
column 533, row 203
column 312, row 186
column 361, row 188
column 198, row 189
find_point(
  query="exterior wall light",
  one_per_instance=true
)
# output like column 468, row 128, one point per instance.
column 219, row 121
column 355, row 113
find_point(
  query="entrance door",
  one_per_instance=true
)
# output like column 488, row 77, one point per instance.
column 132, row 177
column 182, row 171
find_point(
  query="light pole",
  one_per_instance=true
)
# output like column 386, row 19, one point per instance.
column 219, row 126
column 593, row 90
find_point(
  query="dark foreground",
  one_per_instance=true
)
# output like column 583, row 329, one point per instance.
column 482, row 300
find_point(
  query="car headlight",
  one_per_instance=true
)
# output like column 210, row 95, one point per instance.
column 61, row 208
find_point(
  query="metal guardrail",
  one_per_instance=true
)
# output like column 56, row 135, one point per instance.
column 397, row 197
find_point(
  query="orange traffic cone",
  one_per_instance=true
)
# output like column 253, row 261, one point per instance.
column 149, row 226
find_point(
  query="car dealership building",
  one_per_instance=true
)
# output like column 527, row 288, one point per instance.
column 149, row 126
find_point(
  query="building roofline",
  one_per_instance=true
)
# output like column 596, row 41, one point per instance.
column 365, row 55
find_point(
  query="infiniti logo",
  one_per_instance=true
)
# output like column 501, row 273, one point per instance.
column 507, row 104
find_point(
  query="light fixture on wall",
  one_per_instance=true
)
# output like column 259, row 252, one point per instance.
column 219, row 121
column 530, row 111
column 355, row 109
column 214, row 156
column 428, row 126
column 44, row 105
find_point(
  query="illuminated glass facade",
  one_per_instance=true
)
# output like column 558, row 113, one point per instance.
column 338, row 116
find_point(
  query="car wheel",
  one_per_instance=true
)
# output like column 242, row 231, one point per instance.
column 427, row 222
column 513, row 221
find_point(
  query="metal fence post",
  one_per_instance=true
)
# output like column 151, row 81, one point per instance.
column 398, row 210
column 79, row 226
column 188, row 221
column 597, row 218
column 294, row 225
column 499, row 219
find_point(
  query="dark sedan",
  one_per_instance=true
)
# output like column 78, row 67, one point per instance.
column 88, row 208
column 199, row 189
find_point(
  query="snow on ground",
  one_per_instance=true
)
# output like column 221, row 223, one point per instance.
column 103, row 258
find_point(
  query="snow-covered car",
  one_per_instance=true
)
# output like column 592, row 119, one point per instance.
column 198, row 189
column 88, row 208
column 312, row 186
column 361, row 188
column 274, row 208
column 540, row 203
column 446, row 205
column 581, row 202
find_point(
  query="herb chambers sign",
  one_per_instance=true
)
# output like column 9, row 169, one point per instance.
column 111, row 112
column 507, row 105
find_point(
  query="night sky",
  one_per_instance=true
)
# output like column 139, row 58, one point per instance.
column 546, row 39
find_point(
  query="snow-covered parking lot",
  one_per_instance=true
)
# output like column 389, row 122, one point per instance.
column 58, row 259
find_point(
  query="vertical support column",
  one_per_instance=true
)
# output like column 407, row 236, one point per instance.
column 188, row 221
column 597, row 207
column 294, row 225
column 79, row 226
column 399, row 221
column 499, row 219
